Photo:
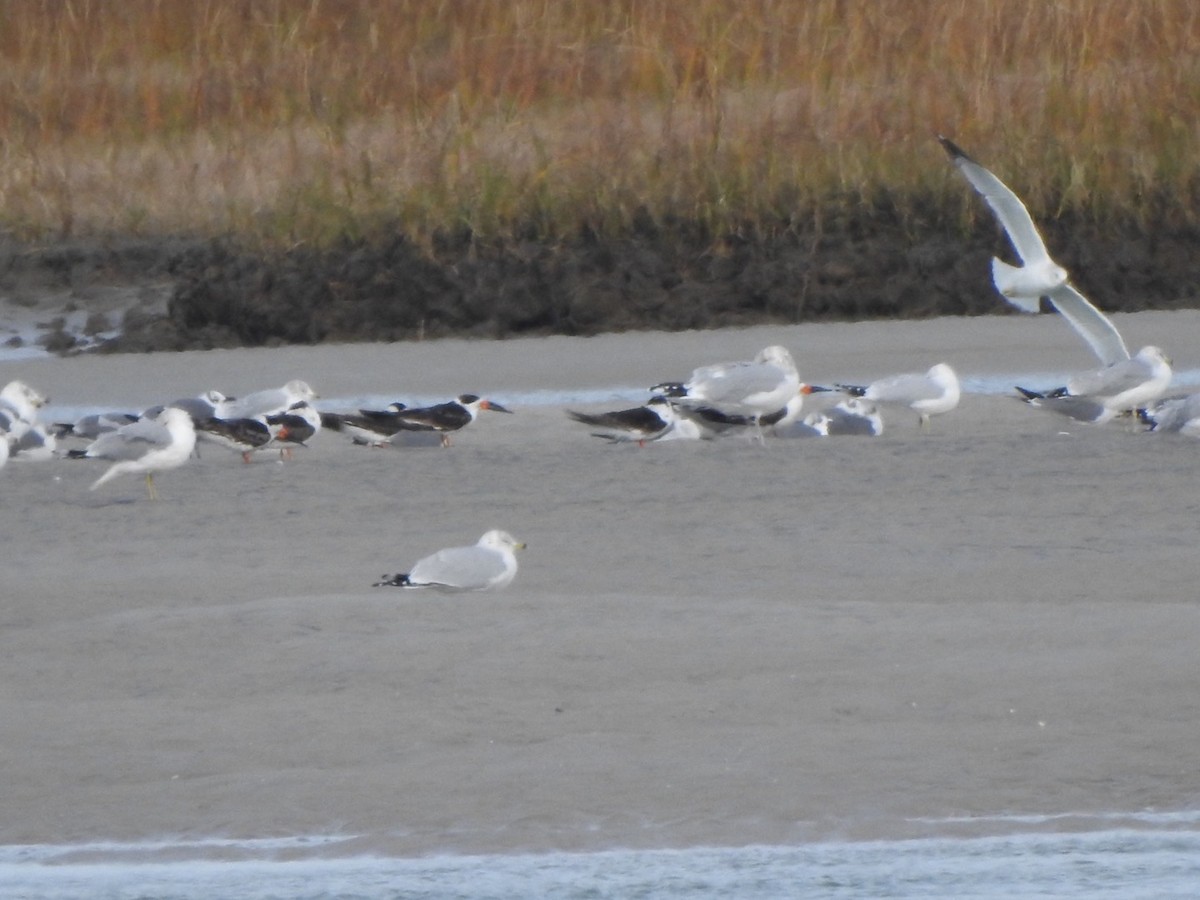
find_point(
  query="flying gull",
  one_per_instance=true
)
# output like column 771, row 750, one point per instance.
column 1040, row 276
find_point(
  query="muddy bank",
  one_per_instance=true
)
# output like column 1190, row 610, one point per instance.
column 884, row 263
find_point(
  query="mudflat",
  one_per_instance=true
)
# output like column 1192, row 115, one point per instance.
column 718, row 642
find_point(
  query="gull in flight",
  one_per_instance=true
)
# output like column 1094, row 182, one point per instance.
column 927, row 394
column 147, row 445
column 489, row 564
column 1040, row 276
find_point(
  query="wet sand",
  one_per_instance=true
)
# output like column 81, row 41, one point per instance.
column 708, row 643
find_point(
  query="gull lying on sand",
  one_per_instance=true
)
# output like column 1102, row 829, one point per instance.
column 268, row 402
column 1040, row 276
column 927, row 394
column 854, row 416
column 147, row 445
column 26, row 437
column 1175, row 414
column 91, row 426
column 489, row 564
column 754, row 388
column 1102, row 394
column 207, row 405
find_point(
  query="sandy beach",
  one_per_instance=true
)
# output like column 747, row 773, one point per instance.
column 707, row 643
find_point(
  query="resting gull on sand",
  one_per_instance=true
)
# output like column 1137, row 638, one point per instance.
column 489, row 564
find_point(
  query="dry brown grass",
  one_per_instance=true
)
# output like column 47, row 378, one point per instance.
column 300, row 121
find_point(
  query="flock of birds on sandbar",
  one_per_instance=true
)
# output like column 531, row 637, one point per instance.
column 762, row 397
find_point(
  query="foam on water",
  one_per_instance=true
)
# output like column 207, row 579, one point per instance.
column 1159, row 858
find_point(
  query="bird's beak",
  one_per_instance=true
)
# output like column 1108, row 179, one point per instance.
column 521, row 544
column 494, row 406
column 813, row 389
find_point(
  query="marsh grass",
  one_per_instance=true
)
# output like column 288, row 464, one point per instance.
column 287, row 122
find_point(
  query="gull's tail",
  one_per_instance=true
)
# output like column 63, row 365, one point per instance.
column 112, row 473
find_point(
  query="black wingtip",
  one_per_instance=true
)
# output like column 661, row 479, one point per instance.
column 854, row 390
column 1027, row 394
column 400, row 579
column 955, row 151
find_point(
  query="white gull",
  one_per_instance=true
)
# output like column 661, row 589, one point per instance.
column 489, row 564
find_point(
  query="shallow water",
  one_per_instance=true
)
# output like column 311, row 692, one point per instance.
column 1160, row 862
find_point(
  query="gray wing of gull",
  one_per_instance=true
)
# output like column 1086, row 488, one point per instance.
column 133, row 441
column 1114, row 379
column 733, row 381
column 260, row 403
column 1081, row 409
column 465, row 568
column 1006, row 205
column 903, row 389
column 1091, row 324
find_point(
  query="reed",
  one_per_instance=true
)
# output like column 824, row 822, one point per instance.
column 289, row 122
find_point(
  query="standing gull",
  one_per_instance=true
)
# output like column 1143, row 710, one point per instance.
column 489, row 564
column 927, row 394
column 1040, row 276
column 147, row 445
column 753, row 388
column 1099, row 395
